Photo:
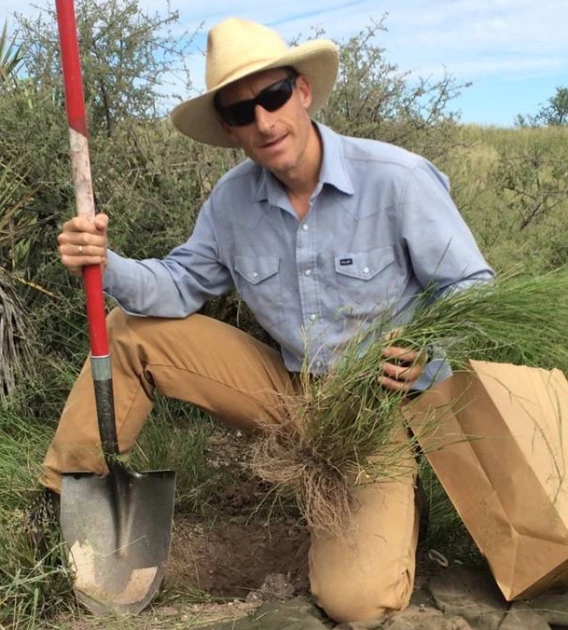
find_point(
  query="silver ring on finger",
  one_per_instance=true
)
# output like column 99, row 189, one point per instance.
column 80, row 250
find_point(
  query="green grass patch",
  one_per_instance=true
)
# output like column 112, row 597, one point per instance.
column 177, row 438
column 33, row 583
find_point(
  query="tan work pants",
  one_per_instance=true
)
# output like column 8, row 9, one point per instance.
column 240, row 380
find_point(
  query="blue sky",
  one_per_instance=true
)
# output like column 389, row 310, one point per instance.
column 515, row 52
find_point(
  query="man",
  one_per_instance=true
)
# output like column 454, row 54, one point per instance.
column 320, row 234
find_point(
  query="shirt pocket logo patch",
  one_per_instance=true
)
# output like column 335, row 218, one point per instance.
column 368, row 285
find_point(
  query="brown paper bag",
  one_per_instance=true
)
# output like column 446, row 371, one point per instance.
column 497, row 439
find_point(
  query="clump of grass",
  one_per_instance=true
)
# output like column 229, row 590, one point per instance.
column 33, row 582
column 343, row 426
column 319, row 452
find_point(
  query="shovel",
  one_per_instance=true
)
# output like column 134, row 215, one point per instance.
column 117, row 528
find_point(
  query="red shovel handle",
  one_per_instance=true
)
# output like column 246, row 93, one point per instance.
column 75, row 105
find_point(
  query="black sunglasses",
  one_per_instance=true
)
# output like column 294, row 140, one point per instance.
column 271, row 98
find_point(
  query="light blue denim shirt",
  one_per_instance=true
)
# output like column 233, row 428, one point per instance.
column 380, row 228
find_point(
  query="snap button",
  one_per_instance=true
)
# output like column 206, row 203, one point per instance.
column 366, row 270
column 313, row 317
column 308, row 272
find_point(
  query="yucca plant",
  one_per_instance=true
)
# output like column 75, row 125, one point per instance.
column 344, row 425
column 16, row 237
column 10, row 58
column 16, row 356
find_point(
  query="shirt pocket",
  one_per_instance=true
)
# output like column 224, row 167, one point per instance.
column 258, row 282
column 368, row 282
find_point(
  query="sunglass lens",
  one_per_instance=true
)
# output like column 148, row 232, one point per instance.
column 240, row 113
column 275, row 96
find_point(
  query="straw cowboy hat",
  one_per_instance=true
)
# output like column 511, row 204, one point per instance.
column 237, row 48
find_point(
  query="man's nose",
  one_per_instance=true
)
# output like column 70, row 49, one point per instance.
column 263, row 118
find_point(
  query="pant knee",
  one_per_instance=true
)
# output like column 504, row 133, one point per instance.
column 116, row 319
column 365, row 600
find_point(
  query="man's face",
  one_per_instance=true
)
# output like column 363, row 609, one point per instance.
column 275, row 140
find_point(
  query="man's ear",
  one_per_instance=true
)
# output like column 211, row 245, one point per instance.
column 304, row 90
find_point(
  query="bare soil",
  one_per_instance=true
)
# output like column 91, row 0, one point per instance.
column 247, row 537
column 233, row 557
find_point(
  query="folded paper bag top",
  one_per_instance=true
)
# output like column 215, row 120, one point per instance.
column 496, row 437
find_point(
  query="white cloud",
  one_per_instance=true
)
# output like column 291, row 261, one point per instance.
column 486, row 68
column 463, row 32
column 472, row 39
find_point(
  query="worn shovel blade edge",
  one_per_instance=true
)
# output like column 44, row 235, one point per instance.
column 107, row 582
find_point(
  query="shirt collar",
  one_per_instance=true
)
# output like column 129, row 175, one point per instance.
column 333, row 171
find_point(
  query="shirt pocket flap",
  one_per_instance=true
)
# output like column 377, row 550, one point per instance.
column 364, row 265
column 255, row 269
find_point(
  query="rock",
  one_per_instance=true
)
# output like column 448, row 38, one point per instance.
column 426, row 619
column 553, row 608
column 276, row 586
column 294, row 614
column 413, row 618
column 520, row 615
column 470, row 594
column 254, row 597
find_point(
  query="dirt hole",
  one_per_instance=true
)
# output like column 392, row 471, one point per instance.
column 231, row 559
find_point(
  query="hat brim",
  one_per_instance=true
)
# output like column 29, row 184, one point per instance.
column 318, row 61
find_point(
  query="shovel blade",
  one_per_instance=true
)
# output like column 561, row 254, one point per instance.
column 109, row 580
